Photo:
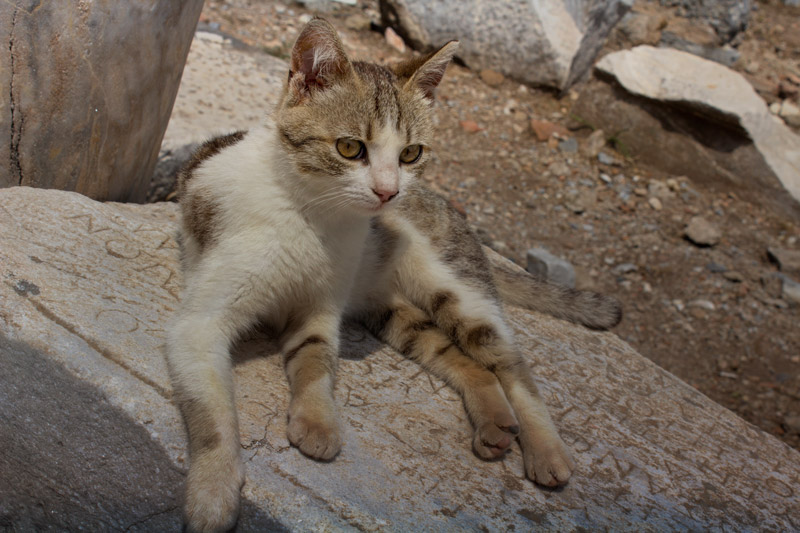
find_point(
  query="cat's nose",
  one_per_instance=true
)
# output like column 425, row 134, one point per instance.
column 385, row 194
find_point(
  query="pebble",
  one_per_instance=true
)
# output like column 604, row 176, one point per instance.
column 542, row 264
column 594, row 143
column 544, row 129
column 732, row 275
column 569, row 146
column 605, row 178
column 606, row 159
column 395, row 41
column 701, row 232
column 655, row 203
column 624, row 268
column 790, row 113
column 702, row 304
column 716, row 268
column 470, row 126
column 790, row 291
column 492, row 78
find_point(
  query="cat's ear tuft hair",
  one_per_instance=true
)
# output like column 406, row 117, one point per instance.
column 318, row 59
column 426, row 73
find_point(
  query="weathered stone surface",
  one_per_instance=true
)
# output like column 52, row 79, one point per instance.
column 90, row 89
column 223, row 89
column 541, row 43
column 695, row 117
column 91, row 288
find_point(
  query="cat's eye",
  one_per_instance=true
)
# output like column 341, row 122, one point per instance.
column 411, row 154
column 350, row 148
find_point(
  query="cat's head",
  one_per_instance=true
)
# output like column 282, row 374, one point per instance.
column 357, row 133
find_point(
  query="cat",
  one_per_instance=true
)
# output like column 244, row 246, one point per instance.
column 318, row 216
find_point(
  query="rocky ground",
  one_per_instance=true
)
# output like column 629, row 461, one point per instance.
column 527, row 172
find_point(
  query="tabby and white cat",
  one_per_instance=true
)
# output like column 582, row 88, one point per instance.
column 318, row 217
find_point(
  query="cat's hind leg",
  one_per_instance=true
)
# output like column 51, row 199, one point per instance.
column 410, row 330
column 485, row 337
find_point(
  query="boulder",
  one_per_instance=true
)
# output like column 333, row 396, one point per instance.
column 540, row 43
column 690, row 116
column 88, row 291
column 87, row 91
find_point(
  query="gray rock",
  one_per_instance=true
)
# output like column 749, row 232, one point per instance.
column 544, row 265
column 88, row 348
column 706, row 120
column 606, row 159
column 716, row 268
column 551, row 43
column 727, row 17
column 569, row 146
column 624, row 268
column 87, row 92
column 701, row 232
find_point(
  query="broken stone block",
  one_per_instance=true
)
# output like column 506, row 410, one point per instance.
column 544, row 265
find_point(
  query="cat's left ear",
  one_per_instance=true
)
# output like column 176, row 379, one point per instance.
column 318, row 59
column 427, row 72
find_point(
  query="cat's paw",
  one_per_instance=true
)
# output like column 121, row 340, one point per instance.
column 213, row 493
column 549, row 462
column 319, row 439
column 490, row 441
column 493, row 437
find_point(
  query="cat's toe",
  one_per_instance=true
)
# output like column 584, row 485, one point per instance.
column 212, row 494
column 549, row 464
column 491, row 442
column 319, row 440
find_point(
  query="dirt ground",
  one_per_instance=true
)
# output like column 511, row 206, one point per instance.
column 713, row 316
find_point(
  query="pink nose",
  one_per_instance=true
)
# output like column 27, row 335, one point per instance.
column 385, row 195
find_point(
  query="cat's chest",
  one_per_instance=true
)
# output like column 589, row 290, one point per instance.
column 307, row 263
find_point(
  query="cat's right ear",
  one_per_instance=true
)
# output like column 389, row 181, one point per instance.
column 318, row 59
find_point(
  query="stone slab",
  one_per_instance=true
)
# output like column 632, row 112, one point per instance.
column 682, row 79
column 92, row 288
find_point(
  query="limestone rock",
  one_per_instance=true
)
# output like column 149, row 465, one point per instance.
column 87, row 91
column 88, row 289
column 551, row 43
column 695, row 117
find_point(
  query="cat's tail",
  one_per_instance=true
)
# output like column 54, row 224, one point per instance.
column 518, row 287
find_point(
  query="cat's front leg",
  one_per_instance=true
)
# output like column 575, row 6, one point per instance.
column 199, row 363
column 310, row 359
